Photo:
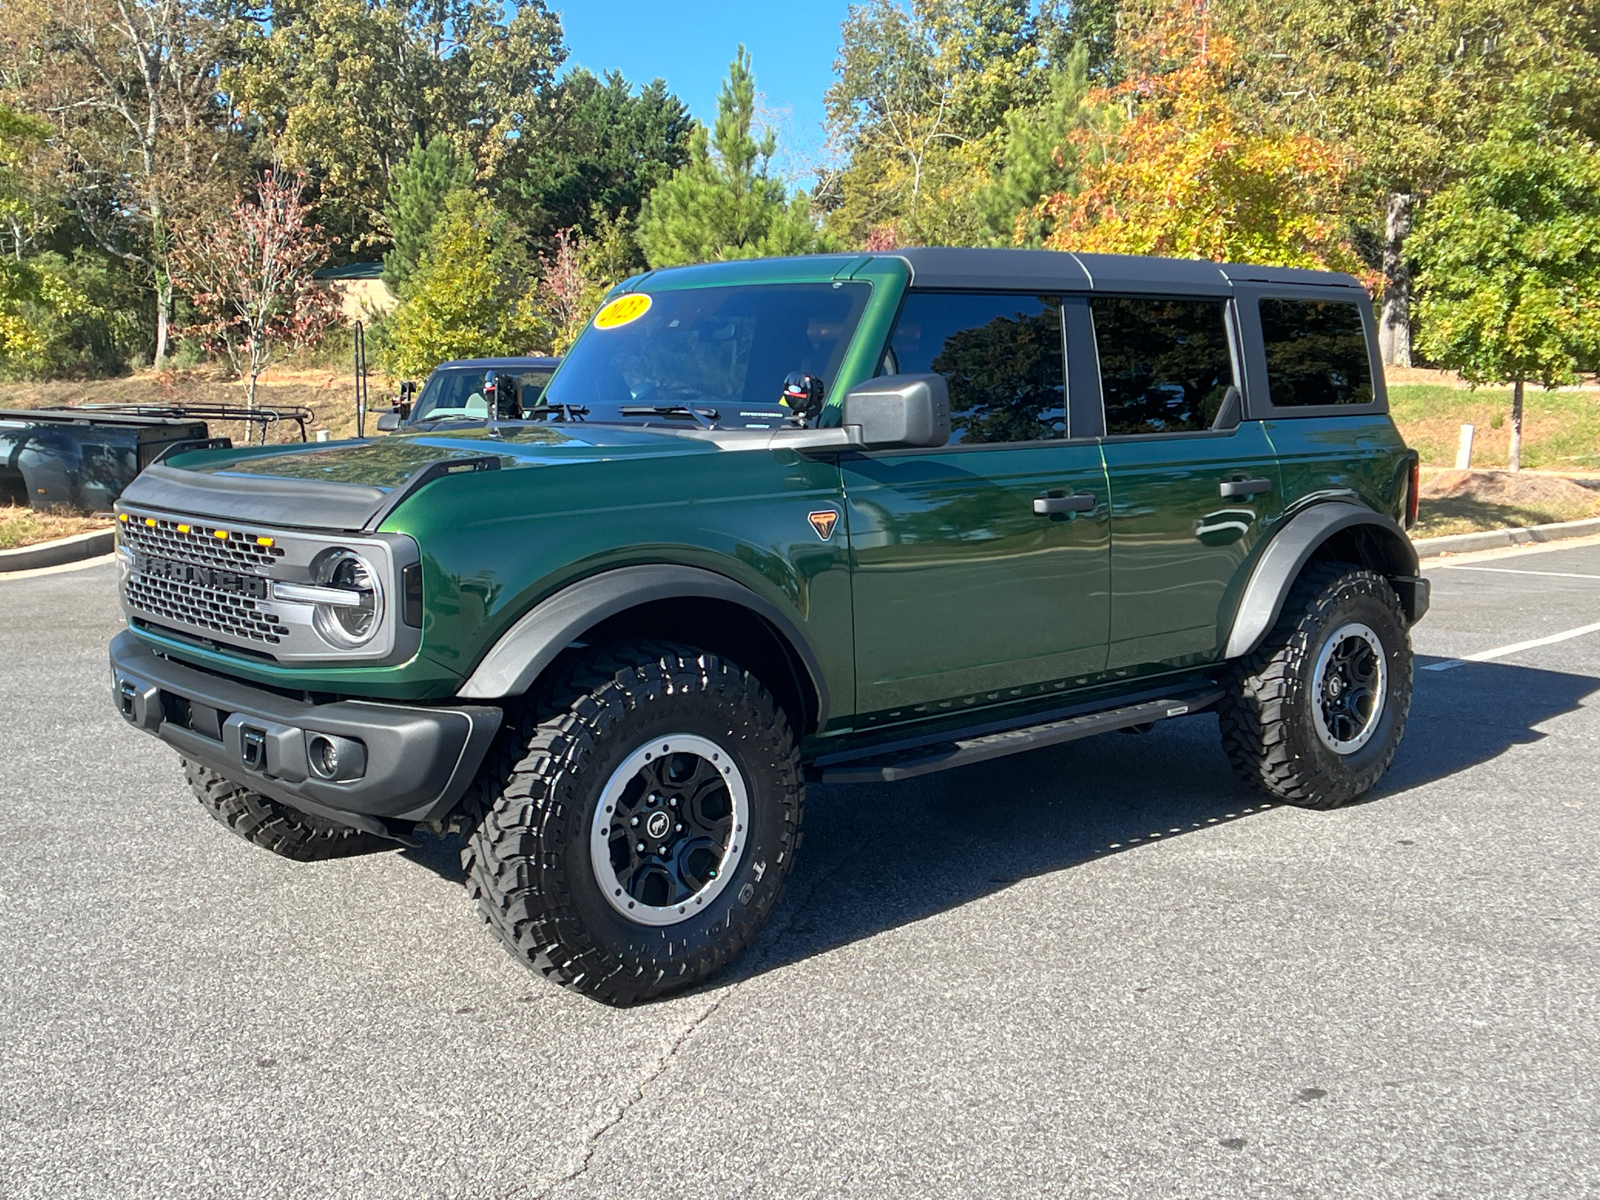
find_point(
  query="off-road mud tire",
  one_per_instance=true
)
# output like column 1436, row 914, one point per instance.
column 274, row 826
column 1266, row 719
column 528, row 862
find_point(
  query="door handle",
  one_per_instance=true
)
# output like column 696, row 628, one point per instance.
column 1048, row 505
column 1245, row 487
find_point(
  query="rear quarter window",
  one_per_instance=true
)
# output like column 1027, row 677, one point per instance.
column 1316, row 353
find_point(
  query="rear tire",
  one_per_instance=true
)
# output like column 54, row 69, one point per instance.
column 641, row 816
column 274, row 826
column 1314, row 715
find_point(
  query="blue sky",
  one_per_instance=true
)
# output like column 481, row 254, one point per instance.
column 792, row 47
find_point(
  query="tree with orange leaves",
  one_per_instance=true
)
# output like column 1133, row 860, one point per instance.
column 1193, row 174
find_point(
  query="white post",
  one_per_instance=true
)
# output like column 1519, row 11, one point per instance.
column 1464, row 449
column 322, row 434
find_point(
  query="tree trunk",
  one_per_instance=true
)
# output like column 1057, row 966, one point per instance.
column 163, row 316
column 1394, row 325
column 1514, row 461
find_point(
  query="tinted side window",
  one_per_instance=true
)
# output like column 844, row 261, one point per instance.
column 1316, row 353
column 1164, row 364
column 1001, row 356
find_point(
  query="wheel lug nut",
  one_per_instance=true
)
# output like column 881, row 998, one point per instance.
column 633, row 820
column 679, row 827
column 641, row 847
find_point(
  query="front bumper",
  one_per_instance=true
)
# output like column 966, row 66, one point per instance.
column 399, row 764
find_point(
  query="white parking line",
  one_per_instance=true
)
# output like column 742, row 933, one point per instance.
column 1519, row 571
column 1502, row 651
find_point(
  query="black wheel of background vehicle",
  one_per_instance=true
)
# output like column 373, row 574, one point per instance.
column 1314, row 715
column 274, row 826
column 640, row 818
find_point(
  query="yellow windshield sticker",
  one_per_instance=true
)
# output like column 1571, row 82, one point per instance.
column 622, row 310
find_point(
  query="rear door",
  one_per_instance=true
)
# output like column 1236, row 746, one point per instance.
column 1190, row 495
column 965, row 593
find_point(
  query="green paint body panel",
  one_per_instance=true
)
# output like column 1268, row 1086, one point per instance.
column 939, row 592
column 1177, row 544
column 961, row 589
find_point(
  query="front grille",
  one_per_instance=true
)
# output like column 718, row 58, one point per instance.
column 226, row 613
column 203, row 576
column 207, row 545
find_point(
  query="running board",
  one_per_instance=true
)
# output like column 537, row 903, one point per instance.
column 924, row 760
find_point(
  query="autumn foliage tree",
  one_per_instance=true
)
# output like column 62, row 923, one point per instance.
column 1194, row 174
column 471, row 296
column 248, row 273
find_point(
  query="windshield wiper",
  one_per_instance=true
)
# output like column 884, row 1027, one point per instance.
column 565, row 412
column 703, row 416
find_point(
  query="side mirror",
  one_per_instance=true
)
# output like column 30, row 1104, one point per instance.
column 390, row 421
column 895, row 411
column 500, row 390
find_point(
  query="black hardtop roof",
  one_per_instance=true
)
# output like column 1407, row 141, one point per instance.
column 960, row 267
column 521, row 361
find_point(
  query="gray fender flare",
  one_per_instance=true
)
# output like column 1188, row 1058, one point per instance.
column 546, row 629
column 1292, row 547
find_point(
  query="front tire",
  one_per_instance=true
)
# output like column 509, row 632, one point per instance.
column 285, row 831
column 642, row 815
column 1314, row 715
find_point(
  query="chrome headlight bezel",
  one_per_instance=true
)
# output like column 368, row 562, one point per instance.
column 343, row 625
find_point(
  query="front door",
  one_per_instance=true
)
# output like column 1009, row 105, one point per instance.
column 966, row 591
column 1190, row 495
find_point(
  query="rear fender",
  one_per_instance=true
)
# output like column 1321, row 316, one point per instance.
column 1335, row 530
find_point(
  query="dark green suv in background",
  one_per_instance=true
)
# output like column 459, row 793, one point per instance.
column 837, row 518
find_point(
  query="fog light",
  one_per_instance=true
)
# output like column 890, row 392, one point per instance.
column 335, row 758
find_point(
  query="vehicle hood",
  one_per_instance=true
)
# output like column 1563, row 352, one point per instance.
column 353, row 485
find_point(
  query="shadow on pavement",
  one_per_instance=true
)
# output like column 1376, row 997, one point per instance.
column 878, row 856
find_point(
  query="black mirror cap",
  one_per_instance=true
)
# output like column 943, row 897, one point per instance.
column 389, row 421
column 900, row 412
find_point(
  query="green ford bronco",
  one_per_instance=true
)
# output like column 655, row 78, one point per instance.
column 839, row 518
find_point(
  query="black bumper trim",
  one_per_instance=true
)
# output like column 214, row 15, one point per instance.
column 419, row 761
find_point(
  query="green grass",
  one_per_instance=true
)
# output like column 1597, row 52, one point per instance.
column 1560, row 430
column 1448, row 515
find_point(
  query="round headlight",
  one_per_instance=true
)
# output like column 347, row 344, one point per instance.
column 356, row 621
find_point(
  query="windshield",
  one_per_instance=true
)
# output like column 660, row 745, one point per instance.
column 457, row 392
column 721, row 351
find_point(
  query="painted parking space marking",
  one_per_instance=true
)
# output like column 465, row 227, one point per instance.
column 1502, row 651
column 1520, row 571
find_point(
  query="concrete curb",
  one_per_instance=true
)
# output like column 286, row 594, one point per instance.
column 1493, row 539
column 94, row 544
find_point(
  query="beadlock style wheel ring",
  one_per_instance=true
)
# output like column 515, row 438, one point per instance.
column 669, row 830
column 1348, row 688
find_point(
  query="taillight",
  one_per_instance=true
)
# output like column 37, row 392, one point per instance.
column 1413, row 489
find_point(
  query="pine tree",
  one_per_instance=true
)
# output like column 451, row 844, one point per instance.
column 1041, row 156
column 421, row 184
column 723, row 204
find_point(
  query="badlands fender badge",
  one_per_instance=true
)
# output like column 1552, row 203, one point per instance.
column 823, row 522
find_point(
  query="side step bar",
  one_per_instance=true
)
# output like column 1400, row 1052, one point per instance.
column 924, row 760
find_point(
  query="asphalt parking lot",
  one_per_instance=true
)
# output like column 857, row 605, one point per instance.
column 1098, row 970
